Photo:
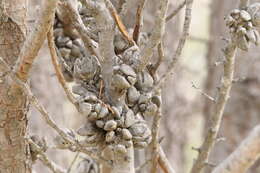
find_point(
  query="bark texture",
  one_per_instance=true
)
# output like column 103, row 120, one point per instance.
column 15, row 157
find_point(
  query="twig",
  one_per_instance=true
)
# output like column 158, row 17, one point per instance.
column 155, row 38
column 45, row 160
column 138, row 21
column 139, row 168
column 216, row 118
column 34, row 42
column 155, row 136
column 161, row 55
column 73, row 162
column 181, row 43
column 118, row 22
column 175, row 11
column 57, row 68
column 204, row 94
column 164, row 163
column 244, row 156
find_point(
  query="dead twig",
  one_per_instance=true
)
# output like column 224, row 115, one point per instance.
column 118, row 22
column 202, row 93
column 73, row 162
column 57, row 68
column 175, row 11
column 138, row 21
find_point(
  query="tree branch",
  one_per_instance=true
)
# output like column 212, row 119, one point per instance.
column 244, row 156
column 138, row 21
column 34, row 42
column 155, row 38
column 175, row 11
column 57, row 68
column 155, row 137
column 118, row 22
column 216, row 118
column 164, row 163
column 181, row 44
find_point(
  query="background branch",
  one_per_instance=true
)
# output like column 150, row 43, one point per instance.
column 244, row 156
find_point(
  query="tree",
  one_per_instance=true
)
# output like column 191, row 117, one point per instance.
column 115, row 85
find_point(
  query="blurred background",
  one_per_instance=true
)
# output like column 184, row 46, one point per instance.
column 185, row 111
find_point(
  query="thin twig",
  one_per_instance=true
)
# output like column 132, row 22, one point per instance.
column 244, row 156
column 155, row 38
column 57, row 68
column 216, row 118
column 161, row 56
column 155, row 144
column 175, row 11
column 164, row 163
column 45, row 160
column 139, row 168
column 73, row 162
column 34, row 42
column 202, row 93
column 181, row 44
column 118, row 22
column 138, row 21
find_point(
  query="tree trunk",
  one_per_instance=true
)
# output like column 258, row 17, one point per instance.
column 15, row 155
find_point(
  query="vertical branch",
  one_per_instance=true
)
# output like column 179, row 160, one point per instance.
column 35, row 40
column 139, row 21
column 216, row 118
column 155, row 144
column 185, row 34
column 156, row 37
